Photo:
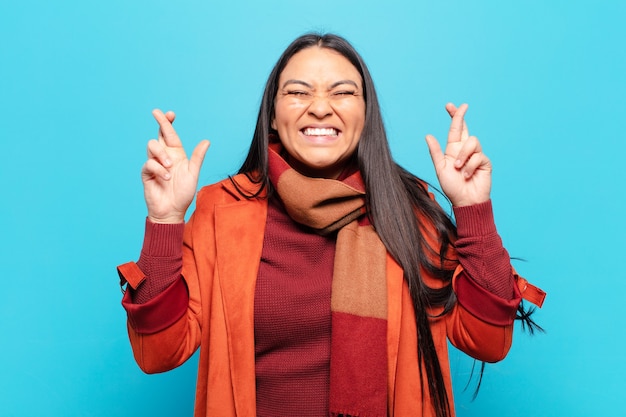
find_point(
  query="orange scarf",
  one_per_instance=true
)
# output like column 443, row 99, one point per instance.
column 358, row 359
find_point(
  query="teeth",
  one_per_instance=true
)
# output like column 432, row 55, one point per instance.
column 319, row 131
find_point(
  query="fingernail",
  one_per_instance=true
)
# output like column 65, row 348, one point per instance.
column 457, row 163
column 168, row 162
column 167, row 176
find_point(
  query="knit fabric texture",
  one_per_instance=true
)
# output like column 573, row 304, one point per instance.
column 292, row 320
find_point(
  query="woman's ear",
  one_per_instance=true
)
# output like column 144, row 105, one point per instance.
column 273, row 125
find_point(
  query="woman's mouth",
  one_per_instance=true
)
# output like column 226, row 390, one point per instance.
column 320, row 131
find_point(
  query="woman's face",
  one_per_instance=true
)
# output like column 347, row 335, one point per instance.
column 319, row 111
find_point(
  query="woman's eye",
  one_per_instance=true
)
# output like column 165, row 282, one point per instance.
column 345, row 93
column 297, row 93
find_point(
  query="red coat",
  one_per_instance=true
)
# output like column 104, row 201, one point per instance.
column 221, row 255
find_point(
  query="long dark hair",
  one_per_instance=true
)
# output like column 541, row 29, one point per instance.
column 389, row 189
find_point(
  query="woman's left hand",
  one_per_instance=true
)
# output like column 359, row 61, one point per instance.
column 464, row 171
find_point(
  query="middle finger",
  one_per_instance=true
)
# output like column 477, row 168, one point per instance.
column 458, row 128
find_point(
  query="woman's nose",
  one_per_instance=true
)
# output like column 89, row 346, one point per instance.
column 320, row 107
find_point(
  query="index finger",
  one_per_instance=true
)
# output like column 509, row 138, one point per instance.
column 166, row 130
column 458, row 129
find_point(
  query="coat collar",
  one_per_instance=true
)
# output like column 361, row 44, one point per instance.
column 239, row 231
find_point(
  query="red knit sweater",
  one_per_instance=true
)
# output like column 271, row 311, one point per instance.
column 292, row 323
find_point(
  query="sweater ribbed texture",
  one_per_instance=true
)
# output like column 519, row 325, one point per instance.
column 292, row 319
column 161, row 259
column 480, row 250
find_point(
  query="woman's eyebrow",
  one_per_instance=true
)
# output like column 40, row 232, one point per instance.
column 333, row 85
column 304, row 83
column 338, row 83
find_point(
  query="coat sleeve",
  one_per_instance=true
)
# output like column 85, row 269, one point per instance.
column 166, row 330
column 481, row 321
column 481, row 337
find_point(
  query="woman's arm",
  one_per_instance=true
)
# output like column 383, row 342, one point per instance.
column 163, row 330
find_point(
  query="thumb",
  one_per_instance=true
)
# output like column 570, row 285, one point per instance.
column 197, row 157
column 435, row 150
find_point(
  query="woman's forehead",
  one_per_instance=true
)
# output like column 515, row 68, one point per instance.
column 321, row 66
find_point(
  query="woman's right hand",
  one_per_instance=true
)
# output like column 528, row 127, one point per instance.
column 170, row 179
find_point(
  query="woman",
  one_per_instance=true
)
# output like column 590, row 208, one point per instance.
column 323, row 279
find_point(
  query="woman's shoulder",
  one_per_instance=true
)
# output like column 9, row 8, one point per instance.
column 230, row 189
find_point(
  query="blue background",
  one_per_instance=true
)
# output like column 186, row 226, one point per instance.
column 78, row 79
